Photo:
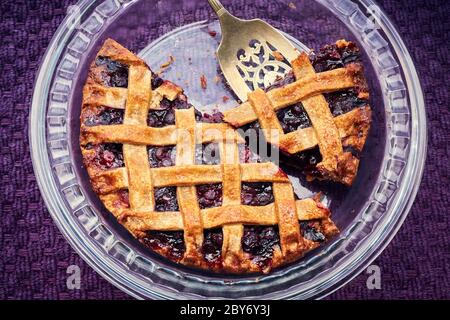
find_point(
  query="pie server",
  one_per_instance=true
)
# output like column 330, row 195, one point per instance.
column 251, row 53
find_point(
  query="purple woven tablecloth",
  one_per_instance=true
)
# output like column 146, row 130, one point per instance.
column 34, row 255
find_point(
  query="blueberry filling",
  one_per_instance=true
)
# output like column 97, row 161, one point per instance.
column 124, row 198
column 309, row 230
column 343, row 101
column 282, row 81
column 309, row 158
column 108, row 156
column 256, row 193
column 246, row 155
column 161, row 118
column 114, row 73
column 209, row 195
column 166, row 116
column 166, row 199
column 171, row 242
column 105, row 116
column 212, row 245
column 157, row 81
column 293, row 118
column 252, row 126
column 332, row 57
column 215, row 117
column 161, row 156
column 259, row 241
column 207, row 154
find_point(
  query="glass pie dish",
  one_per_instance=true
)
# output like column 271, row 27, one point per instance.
column 369, row 213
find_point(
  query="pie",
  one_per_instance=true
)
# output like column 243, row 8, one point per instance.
column 318, row 114
column 185, row 184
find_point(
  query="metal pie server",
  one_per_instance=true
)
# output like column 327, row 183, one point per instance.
column 252, row 53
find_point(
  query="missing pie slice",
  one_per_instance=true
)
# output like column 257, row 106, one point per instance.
column 184, row 183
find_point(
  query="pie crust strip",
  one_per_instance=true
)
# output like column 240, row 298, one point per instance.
column 187, row 195
column 136, row 112
column 328, row 81
column 227, row 215
column 349, row 126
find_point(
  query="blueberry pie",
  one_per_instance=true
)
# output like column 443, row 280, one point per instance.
column 184, row 183
column 318, row 114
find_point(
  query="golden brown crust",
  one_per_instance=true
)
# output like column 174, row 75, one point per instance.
column 330, row 134
column 135, row 209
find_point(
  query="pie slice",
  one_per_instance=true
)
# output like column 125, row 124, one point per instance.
column 184, row 183
column 319, row 114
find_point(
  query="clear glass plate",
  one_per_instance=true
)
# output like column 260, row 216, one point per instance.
column 369, row 213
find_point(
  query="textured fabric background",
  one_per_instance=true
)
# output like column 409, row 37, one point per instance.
column 34, row 255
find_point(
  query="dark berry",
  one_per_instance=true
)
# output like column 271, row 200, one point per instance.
column 343, row 101
column 166, row 116
column 172, row 242
column 166, row 199
column 259, row 241
column 105, row 116
column 161, row 118
column 256, row 193
column 212, row 245
column 246, row 155
column 161, row 156
column 293, row 118
column 209, row 195
column 114, row 73
column 216, row 117
column 109, row 156
column 207, row 153
column 309, row 232
column 309, row 158
column 332, row 57
column 157, row 81
column 282, row 81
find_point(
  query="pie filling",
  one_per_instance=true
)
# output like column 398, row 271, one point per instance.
column 167, row 243
column 123, row 200
column 207, row 153
column 166, row 199
column 166, row 116
column 107, row 156
column 258, row 242
column 161, row 156
column 256, row 194
column 311, row 230
column 104, row 116
column 209, row 195
column 293, row 118
column 113, row 73
column 212, row 246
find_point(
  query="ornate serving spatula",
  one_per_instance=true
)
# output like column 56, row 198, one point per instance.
column 252, row 53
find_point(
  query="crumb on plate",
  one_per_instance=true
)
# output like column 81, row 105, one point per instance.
column 203, row 82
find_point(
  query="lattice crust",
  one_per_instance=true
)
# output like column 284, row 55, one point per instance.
column 330, row 134
column 141, row 180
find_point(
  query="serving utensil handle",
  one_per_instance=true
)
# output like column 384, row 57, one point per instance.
column 218, row 7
